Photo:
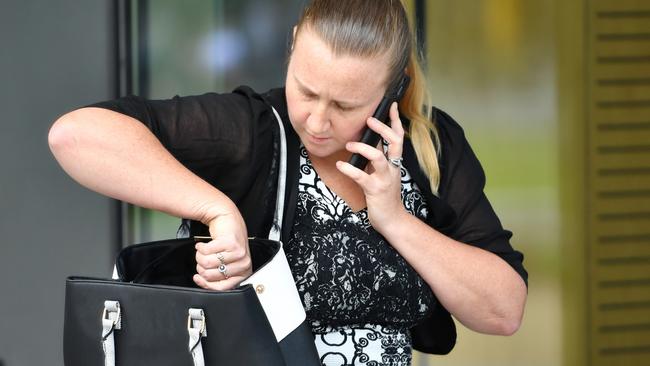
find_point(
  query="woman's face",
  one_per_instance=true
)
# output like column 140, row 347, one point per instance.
column 330, row 97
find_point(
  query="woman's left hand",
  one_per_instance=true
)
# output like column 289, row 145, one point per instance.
column 381, row 181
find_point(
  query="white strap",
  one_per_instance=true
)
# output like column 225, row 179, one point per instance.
column 276, row 228
column 196, row 329
column 111, row 321
column 274, row 282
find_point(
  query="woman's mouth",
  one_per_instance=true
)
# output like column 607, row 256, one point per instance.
column 317, row 140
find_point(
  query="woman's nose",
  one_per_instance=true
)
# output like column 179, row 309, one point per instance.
column 318, row 121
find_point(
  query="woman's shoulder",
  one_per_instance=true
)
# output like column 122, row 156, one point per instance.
column 263, row 101
column 457, row 159
column 450, row 133
column 277, row 98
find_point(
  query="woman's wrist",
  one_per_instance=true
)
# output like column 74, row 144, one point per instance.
column 221, row 205
column 393, row 223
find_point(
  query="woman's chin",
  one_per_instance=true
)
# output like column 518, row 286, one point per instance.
column 327, row 153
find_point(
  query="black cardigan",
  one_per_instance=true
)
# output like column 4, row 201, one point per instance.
column 232, row 141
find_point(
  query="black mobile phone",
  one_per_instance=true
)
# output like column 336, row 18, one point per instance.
column 369, row 136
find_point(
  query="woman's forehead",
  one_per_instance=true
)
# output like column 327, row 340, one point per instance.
column 315, row 65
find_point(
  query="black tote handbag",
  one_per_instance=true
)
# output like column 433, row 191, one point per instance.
column 153, row 313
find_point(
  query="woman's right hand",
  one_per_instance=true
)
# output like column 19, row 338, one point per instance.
column 228, row 247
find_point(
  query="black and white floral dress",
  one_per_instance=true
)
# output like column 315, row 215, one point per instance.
column 360, row 295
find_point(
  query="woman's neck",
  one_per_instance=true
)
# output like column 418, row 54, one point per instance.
column 329, row 161
column 339, row 183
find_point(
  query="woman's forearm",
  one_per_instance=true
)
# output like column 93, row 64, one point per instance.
column 480, row 289
column 118, row 156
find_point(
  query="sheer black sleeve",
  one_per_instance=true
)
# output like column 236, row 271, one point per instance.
column 461, row 187
column 226, row 139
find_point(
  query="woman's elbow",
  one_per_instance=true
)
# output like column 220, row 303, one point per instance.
column 61, row 135
column 508, row 321
column 68, row 132
column 508, row 327
column 510, row 324
column 498, row 326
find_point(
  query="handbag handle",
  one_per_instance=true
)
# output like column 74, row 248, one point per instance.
column 196, row 329
column 112, row 321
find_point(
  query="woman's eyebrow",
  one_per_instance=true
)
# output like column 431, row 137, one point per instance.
column 302, row 85
column 304, row 88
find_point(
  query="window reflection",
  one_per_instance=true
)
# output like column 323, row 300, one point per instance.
column 199, row 46
column 196, row 46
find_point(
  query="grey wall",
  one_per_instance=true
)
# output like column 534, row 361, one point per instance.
column 54, row 56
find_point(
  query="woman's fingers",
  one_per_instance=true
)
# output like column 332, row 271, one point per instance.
column 395, row 137
column 237, row 269
column 219, row 251
column 222, row 285
column 222, row 264
column 214, row 262
column 375, row 182
column 393, row 134
column 208, row 261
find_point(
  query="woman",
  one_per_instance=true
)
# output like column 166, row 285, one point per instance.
column 380, row 256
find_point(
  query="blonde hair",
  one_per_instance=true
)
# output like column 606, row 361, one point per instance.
column 368, row 28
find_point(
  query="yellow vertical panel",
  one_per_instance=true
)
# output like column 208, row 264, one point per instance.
column 571, row 47
column 619, row 172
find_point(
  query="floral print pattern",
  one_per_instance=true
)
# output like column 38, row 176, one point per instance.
column 360, row 295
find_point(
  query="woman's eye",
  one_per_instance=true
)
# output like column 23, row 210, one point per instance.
column 344, row 108
column 308, row 95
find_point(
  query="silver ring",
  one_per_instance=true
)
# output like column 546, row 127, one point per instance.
column 397, row 162
column 221, row 258
column 224, row 270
